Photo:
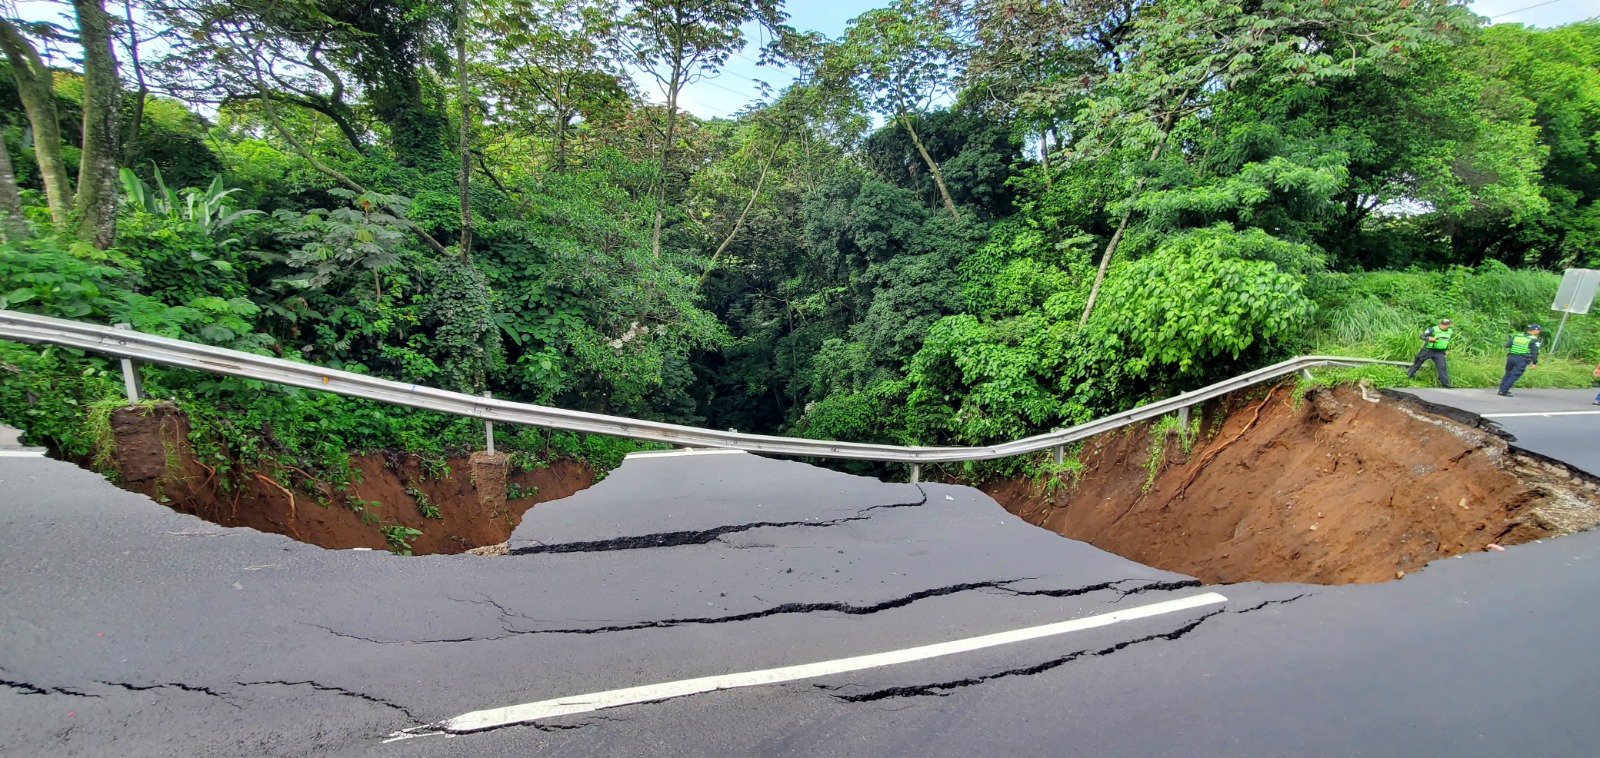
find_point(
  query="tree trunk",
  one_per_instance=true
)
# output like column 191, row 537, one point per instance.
column 563, row 123
column 465, row 247
column 136, row 122
column 96, row 203
column 739, row 224
column 12, row 225
column 1116, row 237
column 1044, row 156
column 666, row 153
column 938, row 176
column 35, row 86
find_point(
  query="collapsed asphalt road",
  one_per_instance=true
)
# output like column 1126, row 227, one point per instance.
column 1562, row 424
column 163, row 634
column 133, row 630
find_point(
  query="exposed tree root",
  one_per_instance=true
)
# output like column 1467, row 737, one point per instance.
column 1205, row 460
column 290, row 495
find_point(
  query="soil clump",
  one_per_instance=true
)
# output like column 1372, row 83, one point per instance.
column 1341, row 485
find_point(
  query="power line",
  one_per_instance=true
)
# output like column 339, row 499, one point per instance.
column 724, row 89
column 1529, row 8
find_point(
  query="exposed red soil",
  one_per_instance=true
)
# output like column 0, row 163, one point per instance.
column 1329, row 489
column 153, row 457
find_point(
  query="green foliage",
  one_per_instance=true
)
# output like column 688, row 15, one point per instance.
column 806, row 280
column 425, row 505
column 1558, row 72
column 1051, row 476
column 588, row 314
column 900, row 59
column 331, row 242
column 399, row 537
column 1161, row 434
column 465, row 337
column 1190, row 303
column 210, row 209
column 1382, row 314
column 41, row 276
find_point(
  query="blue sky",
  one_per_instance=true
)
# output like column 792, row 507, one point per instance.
column 736, row 86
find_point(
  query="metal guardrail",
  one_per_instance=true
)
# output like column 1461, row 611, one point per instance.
column 131, row 345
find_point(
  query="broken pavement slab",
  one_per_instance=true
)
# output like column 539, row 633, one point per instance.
column 820, row 565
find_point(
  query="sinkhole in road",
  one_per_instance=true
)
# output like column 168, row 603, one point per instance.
column 1330, row 486
column 380, row 500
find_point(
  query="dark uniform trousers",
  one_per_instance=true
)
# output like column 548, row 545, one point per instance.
column 1515, row 365
column 1439, row 364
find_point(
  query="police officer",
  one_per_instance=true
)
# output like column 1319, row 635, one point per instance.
column 1435, row 343
column 1522, row 351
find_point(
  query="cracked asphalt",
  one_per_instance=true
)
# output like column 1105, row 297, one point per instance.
column 1570, row 434
column 133, row 630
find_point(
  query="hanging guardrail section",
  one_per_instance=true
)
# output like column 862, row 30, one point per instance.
column 131, row 346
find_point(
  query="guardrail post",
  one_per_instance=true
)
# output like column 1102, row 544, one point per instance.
column 130, row 374
column 1061, row 454
column 916, row 473
column 1305, row 372
column 488, row 433
column 1183, row 418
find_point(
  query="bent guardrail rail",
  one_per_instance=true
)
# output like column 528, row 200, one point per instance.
column 132, row 345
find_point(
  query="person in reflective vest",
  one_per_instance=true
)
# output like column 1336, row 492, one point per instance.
column 1522, row 353
column 1435, row 344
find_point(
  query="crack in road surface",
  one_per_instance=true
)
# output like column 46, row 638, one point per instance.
column 1000, row 586
column 536, row 713
column 943, row 689
column 195, row 688
column 220, row 692
column 434, row 729
column 699, row 537
column 1266, row 603
column 32, row 689
column 783, row 609
column 341, row 691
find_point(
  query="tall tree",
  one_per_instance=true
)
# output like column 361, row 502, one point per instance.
column 136, row 119
column 385, row 43
column 464, row 100
column 1032, row 60
column 12, row 224
column 903, row 60
column 1187, row 50
column 36, row 88
column 101, row 160
column 551, row 64
column 682, row 41
column 1559, row 71
column 394, row 52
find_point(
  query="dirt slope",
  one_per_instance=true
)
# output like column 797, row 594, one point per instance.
column 1340, row 486
column 153, row 457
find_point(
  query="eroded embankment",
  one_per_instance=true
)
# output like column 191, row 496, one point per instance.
column 468, row 502
column 1339, row 486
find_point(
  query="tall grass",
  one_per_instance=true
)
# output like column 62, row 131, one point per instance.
column 1381, row 315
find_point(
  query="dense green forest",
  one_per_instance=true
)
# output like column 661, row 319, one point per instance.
column 961, row 223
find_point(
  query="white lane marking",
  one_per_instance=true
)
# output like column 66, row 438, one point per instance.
column 1545, row 413
column 670, row 453
column 21, row 453
column 526, row 712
